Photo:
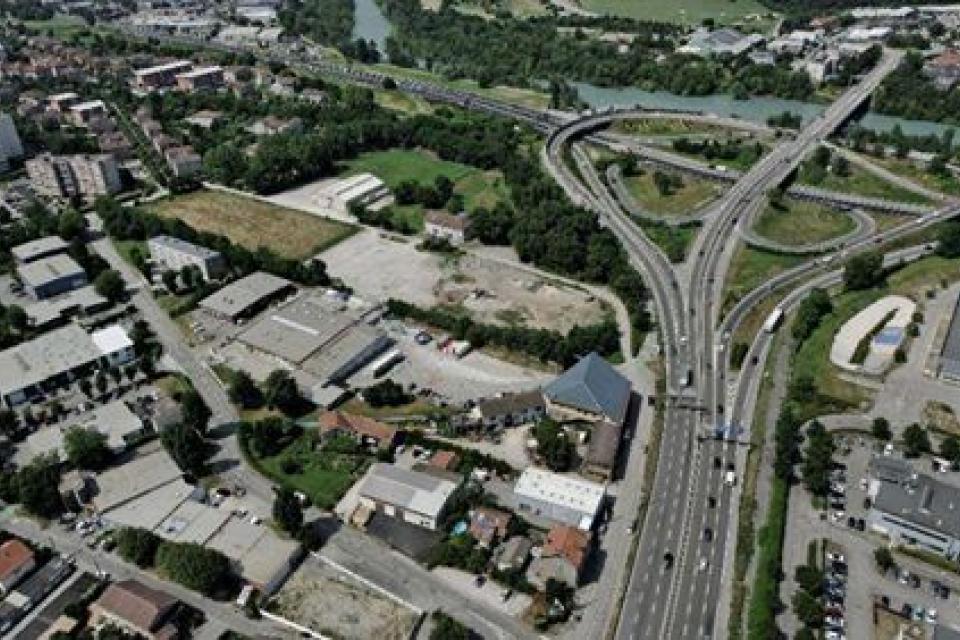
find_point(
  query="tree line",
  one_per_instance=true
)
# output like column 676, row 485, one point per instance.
column 908, row 93
column 134, row 223
column 543, row 344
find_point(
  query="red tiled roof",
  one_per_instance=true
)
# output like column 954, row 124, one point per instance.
column 445, row 460
column 359, row 425
column 13, row 555
column 568, row 542
column 136, row 603
column 487, row 522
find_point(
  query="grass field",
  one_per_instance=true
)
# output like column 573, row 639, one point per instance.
column 665, row 127
column 323, row 475
column 803, row 223
column 479, row 188
column 948, row 184
column 683, row 11
column 60, row 25
column 675, row 241
column 864, row 183
column 750, row 268
column 694, row 194
column 399, row 101
column 252, row 223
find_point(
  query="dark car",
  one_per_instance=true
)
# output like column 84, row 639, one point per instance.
column 708, row 534
column 668, row 560
column 851, row 522
column 861, row 524
column 711, row 502
column 717, row 463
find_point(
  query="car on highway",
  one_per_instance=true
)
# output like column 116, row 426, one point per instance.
column 708, row 535
column 667, row 561
column 711, row 502
column 703, row 565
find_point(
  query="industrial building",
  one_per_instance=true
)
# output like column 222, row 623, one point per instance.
column 918, row 511
column 414, row 497
column 950, row 353
column 137, row 609
column 58, row 310
column 705, row 43
column 363, row 190
column 175, row 254
column 51, row 276
column 319, row 335
column 56, row 358
column 150, row 492
column 446, row 226
column 246, row 296
column 564, row 499
column 592, row 390
column 38, row 249
column 115, row 420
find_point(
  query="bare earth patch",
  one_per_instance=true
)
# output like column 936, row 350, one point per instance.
column 336, row 605
column 941, row 417
column 494, row 292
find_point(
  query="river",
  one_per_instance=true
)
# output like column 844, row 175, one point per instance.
column 757, row 108
column 369, row 23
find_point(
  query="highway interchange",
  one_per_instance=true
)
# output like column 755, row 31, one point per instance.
column 688, row 495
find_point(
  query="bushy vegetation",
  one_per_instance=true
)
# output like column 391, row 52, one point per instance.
column 909, row 93
column 546, row 345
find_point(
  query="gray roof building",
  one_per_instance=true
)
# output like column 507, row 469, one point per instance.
column 32, row 363
column 415, row 497
column 601, row 458
column 950, row 355
column 174, row 253
column 39, row 248
column 888, row 469
column 242, row 297
column 591, row 387
column 51, row 276
column 923, row 512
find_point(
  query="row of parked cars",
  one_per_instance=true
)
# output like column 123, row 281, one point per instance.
column 835, row 594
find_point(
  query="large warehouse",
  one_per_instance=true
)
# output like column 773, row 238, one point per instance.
column 246, row 296
column 950, row 355
column 561, row 498
column 319, row 335
column 58, row 357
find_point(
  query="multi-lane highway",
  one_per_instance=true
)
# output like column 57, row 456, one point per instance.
column 683, row 555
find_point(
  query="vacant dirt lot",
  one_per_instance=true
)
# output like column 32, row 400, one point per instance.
column 494, row 291
column 333, row 603
column 253, row 223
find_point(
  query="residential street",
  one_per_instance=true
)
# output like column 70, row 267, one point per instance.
column 72, row 545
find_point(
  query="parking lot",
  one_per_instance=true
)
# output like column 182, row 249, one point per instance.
column 925, row 593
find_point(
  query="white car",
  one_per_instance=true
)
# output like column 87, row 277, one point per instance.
column 834, row 635
column 932, row 616
column 703, row 564
column 835, row 557
column 834, row 621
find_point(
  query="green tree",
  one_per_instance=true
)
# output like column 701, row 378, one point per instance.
column 915, row 441
column 950, row 449
column 196, row 414
column 110, row 285
column 447, row 628
column 138, row 546
column 884, row 559
column 809, row 610
column 949, row 239
column 187, row 448
column 194, row 566
column 880, row 429
column 863, row 271
column 244, row 391
column 280, row 390
column 86, row 448
column 553, row 445
column 287, row 512
column 37, row 486
column 811, row 311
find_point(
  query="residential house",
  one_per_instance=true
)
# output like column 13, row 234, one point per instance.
column 511, row 409
column 446, row 226
column 944, row 69
column 563, row 557
column 16, row 561
column 137, row 608
column 512, row 555
column 366, row 430
column 410, row 496
column 487, row 525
